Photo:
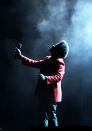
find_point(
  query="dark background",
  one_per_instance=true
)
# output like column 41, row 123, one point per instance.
column 38, row 25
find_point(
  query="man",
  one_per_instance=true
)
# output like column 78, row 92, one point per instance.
column 52, row 69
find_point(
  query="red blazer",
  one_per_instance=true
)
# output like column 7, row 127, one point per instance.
column 54, row 70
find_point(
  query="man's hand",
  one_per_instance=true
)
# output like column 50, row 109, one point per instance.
column 18, row 53
column 43, row 78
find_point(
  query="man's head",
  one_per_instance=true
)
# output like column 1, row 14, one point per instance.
column 61, row 49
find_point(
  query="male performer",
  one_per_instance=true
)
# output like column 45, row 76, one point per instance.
column 52, row 69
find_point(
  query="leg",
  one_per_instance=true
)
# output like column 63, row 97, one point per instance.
column 52, row 116
column 43, row 114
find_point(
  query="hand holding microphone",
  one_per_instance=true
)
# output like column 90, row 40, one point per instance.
column 18, row 53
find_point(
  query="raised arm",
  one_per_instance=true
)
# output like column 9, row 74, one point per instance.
column 33, row 63
column 30, row 62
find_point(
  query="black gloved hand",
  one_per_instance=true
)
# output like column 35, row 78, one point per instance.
column 18, row 53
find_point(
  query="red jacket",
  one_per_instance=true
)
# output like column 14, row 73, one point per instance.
column 54, row 70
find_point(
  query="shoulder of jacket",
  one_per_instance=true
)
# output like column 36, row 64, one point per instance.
column 47, row 57
column 60, row 61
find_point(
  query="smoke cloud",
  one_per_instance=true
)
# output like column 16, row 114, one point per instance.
column 80, row 32
column 70, row 21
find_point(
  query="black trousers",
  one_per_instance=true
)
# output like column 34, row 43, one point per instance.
column 48, row 114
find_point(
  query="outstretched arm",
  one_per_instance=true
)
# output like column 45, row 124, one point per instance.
column 33, row 63
column 29, row 62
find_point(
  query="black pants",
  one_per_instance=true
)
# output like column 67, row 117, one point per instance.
column 48, row 114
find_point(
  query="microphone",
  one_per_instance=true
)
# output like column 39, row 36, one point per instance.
column 19, row 45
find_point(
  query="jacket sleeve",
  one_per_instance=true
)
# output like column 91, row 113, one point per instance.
column 33, row 63
column 58, row 76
